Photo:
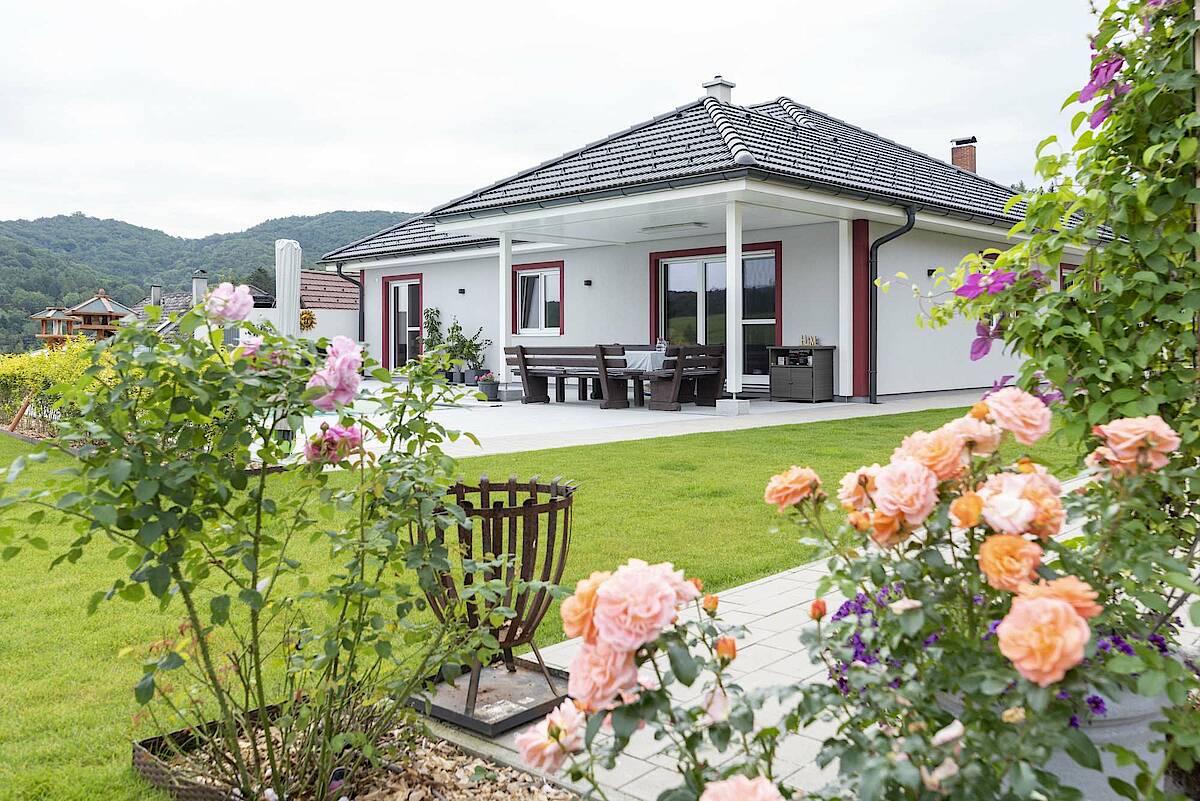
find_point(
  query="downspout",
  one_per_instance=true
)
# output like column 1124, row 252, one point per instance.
column 910, row 213
column 362, row 309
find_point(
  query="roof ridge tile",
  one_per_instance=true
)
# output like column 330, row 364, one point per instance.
column 737, row 148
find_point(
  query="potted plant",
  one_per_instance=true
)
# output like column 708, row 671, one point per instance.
column 488, row 386
column 466, row 351
column 433, row 338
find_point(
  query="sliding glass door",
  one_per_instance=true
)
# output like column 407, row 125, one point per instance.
column 693, row 306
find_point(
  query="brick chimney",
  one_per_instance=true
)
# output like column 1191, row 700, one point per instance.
column 962, row 155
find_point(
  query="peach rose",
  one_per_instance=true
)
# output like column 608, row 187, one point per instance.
column 1049, row 514
column 1038, row 472
column 1009, row 561
column 577, row 610
column 966, row 510
column 859, row 520
column 888, row 531
column 726, row 648
column 1005, row 507
column 686, row 590
column 1146, row 442
column 546, row 744
column 599, row 674
column 855, row 489
column 942, row 451
column 634, row 605
column 1079, row 594
column 1043, row 638
column 710, row 603
column 1103, row 458
column 906, row 489
column 1017, row 411
column 791, row 487
column 979, row 438
column 740, row 788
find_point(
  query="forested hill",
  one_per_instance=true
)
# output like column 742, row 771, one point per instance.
column 64, row 259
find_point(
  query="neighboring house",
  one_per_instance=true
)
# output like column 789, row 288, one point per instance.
column 333, row 301
column 624, row 240
column 57, row 324
column 98, row 317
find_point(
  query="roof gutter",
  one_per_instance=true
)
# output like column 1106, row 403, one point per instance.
column 362, row 308
column 910, row 213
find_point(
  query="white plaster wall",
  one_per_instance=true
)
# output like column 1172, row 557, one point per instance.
column 330, row 322
column 913, row 359
column 616, row 308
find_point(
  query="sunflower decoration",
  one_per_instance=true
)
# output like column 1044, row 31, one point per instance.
column 308, row 319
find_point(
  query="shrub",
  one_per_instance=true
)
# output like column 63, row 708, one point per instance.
column 34, row 375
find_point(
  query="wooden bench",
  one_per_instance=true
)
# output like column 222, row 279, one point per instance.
column 701, row 365
column 538, row 365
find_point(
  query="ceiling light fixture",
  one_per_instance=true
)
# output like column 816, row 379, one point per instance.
column 672, row 227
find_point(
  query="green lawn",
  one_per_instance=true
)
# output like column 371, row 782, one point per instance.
column 694, row 500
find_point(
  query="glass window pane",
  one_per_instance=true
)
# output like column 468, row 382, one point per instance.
column 231, row 335
column 679, row 290
column 414, row 303
column 758, row 288
column 714, row 303
column 553, row 302
column 755, row 339
column 414, row 341
column 530, row 315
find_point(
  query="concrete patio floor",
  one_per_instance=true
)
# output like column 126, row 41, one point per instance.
column 511, row 426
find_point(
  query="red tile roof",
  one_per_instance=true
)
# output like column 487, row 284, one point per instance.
column 326, row 290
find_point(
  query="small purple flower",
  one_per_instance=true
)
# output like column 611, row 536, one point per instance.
column 1062, row 695
column 993, row 283
column 1121, row 645
column 1074, row 722
column 995, row 624
column 1102, row 75
column 931, row 640
column 1159, row 642
column 977, row 599
column 999, row 384
column 1096, row 705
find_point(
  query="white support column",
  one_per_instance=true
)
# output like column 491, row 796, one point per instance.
column 733, row 297
column 504, row 307
column 845, row 344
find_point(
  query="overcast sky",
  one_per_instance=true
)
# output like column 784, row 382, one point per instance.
column 203, row 117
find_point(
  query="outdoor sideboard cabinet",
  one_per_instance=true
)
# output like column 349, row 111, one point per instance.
column 801, row 373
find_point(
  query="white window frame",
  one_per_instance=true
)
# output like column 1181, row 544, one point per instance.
column 540, row 272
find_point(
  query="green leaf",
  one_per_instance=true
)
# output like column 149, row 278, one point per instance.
column 683, row 664
column 1152, row 683
column 1194, row 613
column 143, row 691
column 118, row 472
column 1121, row 663
column 1081, row 749
column 219, row 607
column 145, row 489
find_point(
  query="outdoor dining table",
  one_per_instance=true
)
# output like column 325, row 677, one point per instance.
column 645, row 359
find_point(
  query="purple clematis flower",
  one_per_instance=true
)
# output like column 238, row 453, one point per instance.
column 982, row 344
column 993, row 283
column 1102, row 75
column 999, row 384
column 1101, row 112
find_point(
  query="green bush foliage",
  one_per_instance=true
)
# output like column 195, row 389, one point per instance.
column 35, row 375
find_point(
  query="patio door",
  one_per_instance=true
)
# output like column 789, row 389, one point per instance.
column 693, row 306
column 404, row 321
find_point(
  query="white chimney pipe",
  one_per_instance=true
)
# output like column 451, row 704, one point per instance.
column 199, row 287
column 156, row 295
column 719, row 88
column 288, row 257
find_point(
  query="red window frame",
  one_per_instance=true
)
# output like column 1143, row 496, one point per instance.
column 388, row 280
column 562, row 292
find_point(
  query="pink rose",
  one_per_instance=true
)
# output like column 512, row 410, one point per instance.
column 942, row 451
column 740, row 788
column 340, row 374
column 333, row 443
column 1017, row 411
column 546, row 744
column 1043, row 638
column 980, row 438
column 634, row 605
column 248, row 347
column 685, row 590
column 599, row 674
column 1005, row 507
column 228, row 304
column 906, row 489
column 716, row 706
column 855, row 489
column 1139, row 442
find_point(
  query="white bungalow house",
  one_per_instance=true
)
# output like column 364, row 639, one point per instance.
column 624, row 241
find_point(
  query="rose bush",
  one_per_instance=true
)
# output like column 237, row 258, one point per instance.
column 179, row 471
column 979, row 636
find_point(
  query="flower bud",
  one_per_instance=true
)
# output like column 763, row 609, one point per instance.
column 818, row 609
column 1014, row 714
column 726, row 649
column 980, row 411
column 709, row 604
column 697, row 583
